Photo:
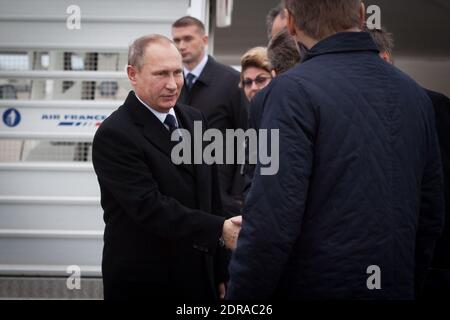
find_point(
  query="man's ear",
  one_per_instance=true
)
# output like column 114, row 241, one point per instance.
column 273, row 73
column 131, row 72
column 290, row 24
column 283, row 14
column 386, row 57
column 205, row 39
column 362, row 16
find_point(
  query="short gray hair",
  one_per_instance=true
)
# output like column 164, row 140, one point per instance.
column 136, row 51
column 187, row 21
column 283, row 52
column 383, row 39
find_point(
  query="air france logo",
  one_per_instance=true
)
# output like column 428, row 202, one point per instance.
column 11, row 117
column 75, row 120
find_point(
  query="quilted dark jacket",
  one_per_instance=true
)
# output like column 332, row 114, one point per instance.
column 359, row 182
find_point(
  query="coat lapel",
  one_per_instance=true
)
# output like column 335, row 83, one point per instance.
column 204, row 80
column 186, row 123
column 154, row 131
column 202, row 171
column 207, row 74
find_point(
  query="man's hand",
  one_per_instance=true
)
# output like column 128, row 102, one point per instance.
column 222, row 290
column 237, row 220
column 230, row 231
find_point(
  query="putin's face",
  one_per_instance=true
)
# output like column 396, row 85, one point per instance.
column 159, row 80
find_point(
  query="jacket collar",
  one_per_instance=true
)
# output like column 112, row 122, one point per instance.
column 140, row 113
column 343, row 42
column 153, row 129
column 160, row 115
column 208, row 72
column 197, row 71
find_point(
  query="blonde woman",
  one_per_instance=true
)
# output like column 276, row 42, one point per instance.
column 255, row 71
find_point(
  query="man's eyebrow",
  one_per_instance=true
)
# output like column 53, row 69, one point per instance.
column 183, row 37
column 167, row 70
column 258, row 75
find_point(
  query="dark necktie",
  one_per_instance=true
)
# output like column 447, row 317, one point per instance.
column 189, row 81
column 171, row 123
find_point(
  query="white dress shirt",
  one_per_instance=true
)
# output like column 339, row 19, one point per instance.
column 160, row 115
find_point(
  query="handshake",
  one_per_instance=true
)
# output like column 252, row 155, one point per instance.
column 230, row 231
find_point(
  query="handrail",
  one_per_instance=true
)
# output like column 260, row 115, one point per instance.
column 81, row 104
column 47, row 166
column 31, row 269
column 53, row 234
column 86, row 19
column 37, row 200
column 64, row 75
column 9, row 46
column 54, row 136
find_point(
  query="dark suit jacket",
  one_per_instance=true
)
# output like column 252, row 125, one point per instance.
column 163, row 221
column 217, row 95
column 441, row 106
column 438, row 284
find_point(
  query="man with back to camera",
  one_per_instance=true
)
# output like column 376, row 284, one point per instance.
column 212, row 88
column 357, row 204
column 437, row 284
column 165, row 228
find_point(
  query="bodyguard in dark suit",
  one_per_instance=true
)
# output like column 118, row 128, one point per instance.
column 212, row 88
column 163, row 221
